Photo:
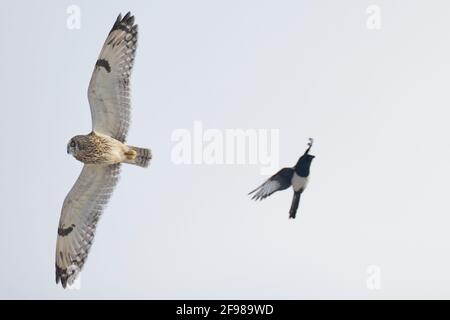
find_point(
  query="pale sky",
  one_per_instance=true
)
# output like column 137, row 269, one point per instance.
column 376, row 102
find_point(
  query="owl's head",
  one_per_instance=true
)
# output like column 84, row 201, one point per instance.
column 75, row 145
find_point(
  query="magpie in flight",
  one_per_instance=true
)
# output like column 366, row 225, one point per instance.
column 297, row 177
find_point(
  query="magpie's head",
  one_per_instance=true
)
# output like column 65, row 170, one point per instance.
column 306, row 159
column 304, row 163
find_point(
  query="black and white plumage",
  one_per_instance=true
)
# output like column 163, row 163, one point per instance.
column 102, row 151
column 297, row 177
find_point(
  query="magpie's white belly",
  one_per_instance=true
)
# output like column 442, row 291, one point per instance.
column 299, row 183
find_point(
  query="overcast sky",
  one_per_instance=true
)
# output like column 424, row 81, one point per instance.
column 376, row 102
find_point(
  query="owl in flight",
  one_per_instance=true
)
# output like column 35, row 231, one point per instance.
column 102, row 151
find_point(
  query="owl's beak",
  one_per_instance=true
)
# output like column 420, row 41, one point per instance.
column 68, row 149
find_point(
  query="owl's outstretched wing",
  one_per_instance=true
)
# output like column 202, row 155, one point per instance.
column 279, row 181
column 109, row 92
column 79, row 216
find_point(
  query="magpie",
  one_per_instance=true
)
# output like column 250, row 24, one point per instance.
column 297, row 177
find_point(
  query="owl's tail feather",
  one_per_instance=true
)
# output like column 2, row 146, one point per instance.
column 138, row 156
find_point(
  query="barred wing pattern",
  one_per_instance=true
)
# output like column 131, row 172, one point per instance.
column 80, row 213
column 109, row 92
column 279, row 181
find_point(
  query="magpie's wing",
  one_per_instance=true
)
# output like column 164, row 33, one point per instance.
column 279, row 181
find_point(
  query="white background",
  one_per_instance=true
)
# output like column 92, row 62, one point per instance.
column 376, row 102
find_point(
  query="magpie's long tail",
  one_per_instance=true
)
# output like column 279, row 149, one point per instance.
column 294, row 205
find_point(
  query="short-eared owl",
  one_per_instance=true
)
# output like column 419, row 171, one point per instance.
column 102, row 151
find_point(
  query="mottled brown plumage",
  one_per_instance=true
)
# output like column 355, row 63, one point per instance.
column 96, row 148
column 90, row 149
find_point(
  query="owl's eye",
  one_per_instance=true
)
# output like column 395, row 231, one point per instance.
column 72, row 144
